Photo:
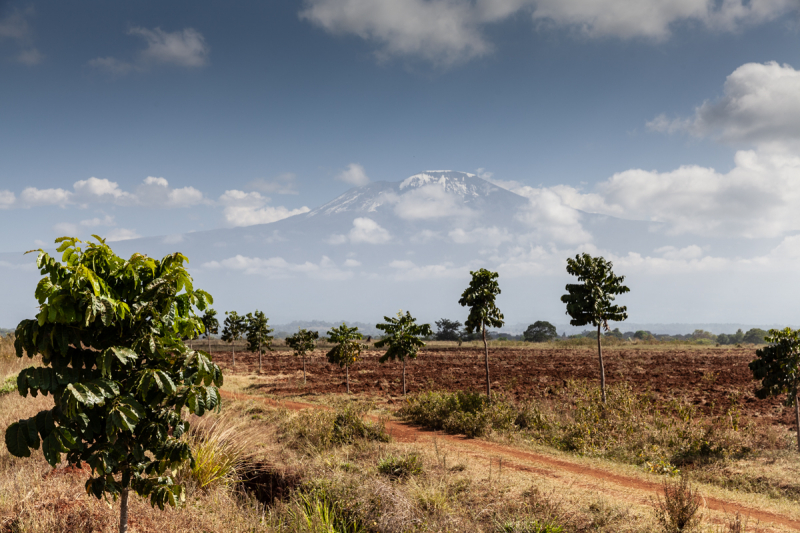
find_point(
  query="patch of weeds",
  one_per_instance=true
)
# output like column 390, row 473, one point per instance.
column 460, row 412
column 317, row 429
column 400, row 467
column 9, row 385
column 528, row 526
column 679, row 510
column 316, row 511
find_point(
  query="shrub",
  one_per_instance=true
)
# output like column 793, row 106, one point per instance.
column 460, row 412
column 325, row 429
column 679, row 510
column 400, row 467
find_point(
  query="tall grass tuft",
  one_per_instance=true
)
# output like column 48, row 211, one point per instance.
column 319, row 430
column 679, row 510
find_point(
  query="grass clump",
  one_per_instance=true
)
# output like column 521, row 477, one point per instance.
column 8, row 385
column 679, row 510
column 528, row 526
column 397, row 467
column 319, row 430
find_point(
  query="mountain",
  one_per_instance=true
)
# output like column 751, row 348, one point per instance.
column 411, row 244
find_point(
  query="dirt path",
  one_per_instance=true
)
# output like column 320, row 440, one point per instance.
column 522, row 461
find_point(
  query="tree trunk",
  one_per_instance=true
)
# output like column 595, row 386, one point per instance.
column 404, row 376
column 304, row 369
column 486, row 359
column 123, row 511
column 602, row 368
column 797, row 419
column 233, row 347
column 208, row 337
column 259, row 357
column 347, row 377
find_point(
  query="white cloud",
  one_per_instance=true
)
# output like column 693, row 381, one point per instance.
column 761, row 104
column 156, row 192
column 72, row 229
column 31, row 196
column 30, row 56
column 7, row 199
column 445, row 32
column 99, row 190
column 406, row 270
column 249, row 208
column 352, row 263
column 121, row 234
column 183, row 48
column 281, row 184
column 551, row 217
column 429, row 202
column 279, row 268
column 14, row 27
column 492, row 236
column 354, row 174
column 368, row 231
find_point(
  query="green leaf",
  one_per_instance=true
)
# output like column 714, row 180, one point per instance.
column 17, row 440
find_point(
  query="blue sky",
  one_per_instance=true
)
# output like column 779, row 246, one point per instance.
column 282, row 97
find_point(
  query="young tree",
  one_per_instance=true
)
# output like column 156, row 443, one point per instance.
column 480, row 298
column 303, row 342
column 403, row 339
column 233, row 330
column 540, row 331
column 347, row 349
column 447, row 330
column 110, row 332
column 211, row 325
column 258, row 334
column 778, row 367
column 590, row 301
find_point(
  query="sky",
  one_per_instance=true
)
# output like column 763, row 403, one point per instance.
column 152, row 118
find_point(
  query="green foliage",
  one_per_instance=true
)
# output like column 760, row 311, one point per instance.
column 480, row 298
column 460, row 412
column 397, row 467
column 235, row 326
column 756, row 336
column 346, row 349
column 402, row 336
column 210, row 322
column 642, row 335
column 347, row 424
column 110, row 331
column 590, row 301
column 303, row 342
column 447, row 330
column 9, row 385
column 778, row 365
column 540, row 331
column 258, row 332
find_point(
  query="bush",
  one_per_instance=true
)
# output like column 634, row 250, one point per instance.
column 325, row 429
column 679, row 510
column 400, row 467
column 460, row 412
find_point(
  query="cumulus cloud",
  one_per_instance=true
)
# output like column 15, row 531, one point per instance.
column 278, row 267
column 31, row 196
column 156, row 192
column 249, row 208
column 365, row 230
column 121, row 234
column 73, row 229
column 446, row 32
column 14, row 27
column 760, row 104
column 354, row 174
column 183, row 48
column 281, row 184
column 7, row 199
column 429, row 202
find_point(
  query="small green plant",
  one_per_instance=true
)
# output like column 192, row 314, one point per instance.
column 346, row 349
column 460, row 412
column 400, row 467
column 316, row 430
column 679, row 510
column 9, row 385
column 315, row 512
column 303, row 342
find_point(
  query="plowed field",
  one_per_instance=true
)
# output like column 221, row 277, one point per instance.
column 709, row 377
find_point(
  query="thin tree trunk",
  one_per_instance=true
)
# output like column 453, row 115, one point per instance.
column 347, row 377
column 602, row 368
column 797, row 419
column 404, row 376
column 233, row 347
column 486, row 359
column 123, row 511
column 304, row 369
column 259, row 357
column 208, row 337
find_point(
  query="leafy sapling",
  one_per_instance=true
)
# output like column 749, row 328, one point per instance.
column 591, row 300
column 233, row 330
column 211, row 325
column 480, row 298
column 403, row 339
column 110, row 332
column 258, row 334
column 346, row 349
column 303, row 342
column 778, row 367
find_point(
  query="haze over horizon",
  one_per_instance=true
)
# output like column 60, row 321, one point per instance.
column 665, row 138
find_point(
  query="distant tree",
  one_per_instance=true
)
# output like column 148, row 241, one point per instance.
column 590, row 301
column 737, row 337
column 303, row 342
column 699, row 334
column 540, row 331
column 258, row 334
column 233, row 330
column 480, row 298
column 643, row 335
column 724, row 338
column 447, row 330
column 210, row 324
column 617, row 334
column 755, row 336
column 346, row 350
column 778, row 367
column 110, row 336
column 403, row 339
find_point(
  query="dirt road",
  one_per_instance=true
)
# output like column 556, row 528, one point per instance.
column 629, row 488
